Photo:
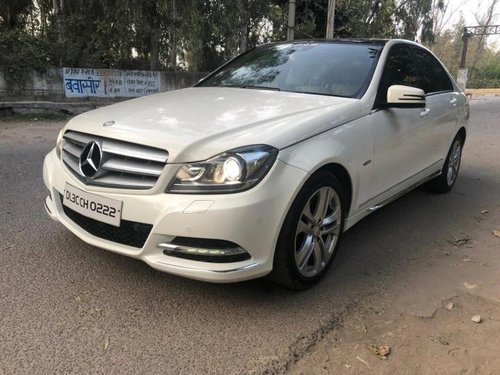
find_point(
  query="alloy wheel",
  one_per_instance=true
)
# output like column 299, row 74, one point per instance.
column 318, row 231
column 454, row 163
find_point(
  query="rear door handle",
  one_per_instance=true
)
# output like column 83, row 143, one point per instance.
column 425, row 112
column 453, row 101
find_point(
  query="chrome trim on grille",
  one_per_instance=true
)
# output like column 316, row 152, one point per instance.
column 124, row 164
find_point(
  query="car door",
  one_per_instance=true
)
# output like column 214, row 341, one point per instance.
column 441, row 102
column 400, row 135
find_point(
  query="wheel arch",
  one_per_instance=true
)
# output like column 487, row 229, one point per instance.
column 341, row 172
column 462, row 133
column 282, row 272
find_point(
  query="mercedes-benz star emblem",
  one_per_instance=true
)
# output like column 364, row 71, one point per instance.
column 108, row 123
column 90, row 159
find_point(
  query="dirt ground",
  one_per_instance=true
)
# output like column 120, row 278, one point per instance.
column 425, row 317
column 477, row 93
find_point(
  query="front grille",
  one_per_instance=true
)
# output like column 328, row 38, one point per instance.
column 124, row 164
column 128, row 233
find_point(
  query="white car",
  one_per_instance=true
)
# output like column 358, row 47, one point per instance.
column 260, row 168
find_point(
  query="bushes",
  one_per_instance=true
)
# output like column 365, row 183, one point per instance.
column 487, row 77
column 21, row 53
column 483, row 83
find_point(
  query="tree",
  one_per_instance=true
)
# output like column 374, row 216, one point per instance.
column 414, row 19
column 14, row 13
column 366, row 18
column 199, row 35
column 485, row 19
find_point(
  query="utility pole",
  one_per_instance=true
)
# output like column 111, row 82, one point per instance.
column 470, row 31
column 462, row 71
column 291, row 20
column 330, row 19
column 465, row 40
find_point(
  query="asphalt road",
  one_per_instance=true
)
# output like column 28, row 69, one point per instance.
column 66, row 306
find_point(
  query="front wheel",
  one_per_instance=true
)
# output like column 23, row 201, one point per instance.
column 444, row 182
column 311, row 233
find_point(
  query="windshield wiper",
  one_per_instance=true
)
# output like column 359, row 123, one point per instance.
column 259, row 87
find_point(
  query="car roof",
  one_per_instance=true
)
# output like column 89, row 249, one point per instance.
column 369, row 41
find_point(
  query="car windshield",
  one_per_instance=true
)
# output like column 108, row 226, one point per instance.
column 337, row 69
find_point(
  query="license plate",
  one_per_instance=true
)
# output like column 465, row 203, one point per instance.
column 93, row 206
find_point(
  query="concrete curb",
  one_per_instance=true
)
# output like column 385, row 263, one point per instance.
column 35, row 107
column 483, row 92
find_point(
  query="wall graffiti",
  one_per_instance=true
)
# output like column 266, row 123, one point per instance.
column 83, row 83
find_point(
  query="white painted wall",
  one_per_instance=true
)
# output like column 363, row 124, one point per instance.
column 50, row 85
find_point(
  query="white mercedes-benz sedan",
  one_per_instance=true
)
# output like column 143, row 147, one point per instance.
column 260, row 167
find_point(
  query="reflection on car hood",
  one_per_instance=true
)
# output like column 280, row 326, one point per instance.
column 197, row 123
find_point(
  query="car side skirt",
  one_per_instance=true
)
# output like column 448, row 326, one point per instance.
column 396, row 192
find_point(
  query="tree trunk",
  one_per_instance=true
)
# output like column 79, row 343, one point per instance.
column 243, row 21
column 173, row 38
column 155, row 48
column 43, row 18
column 58, row 8
column 244, row 38
column 330, row 20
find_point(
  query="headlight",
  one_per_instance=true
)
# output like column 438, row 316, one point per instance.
column 59, row 143
column 233, row 171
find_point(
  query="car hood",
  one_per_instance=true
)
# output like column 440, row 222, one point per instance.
column 196, row 123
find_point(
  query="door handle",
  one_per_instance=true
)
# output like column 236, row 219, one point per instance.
column 425, row 112
column 453, row 101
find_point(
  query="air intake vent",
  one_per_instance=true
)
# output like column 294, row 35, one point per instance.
column 123, row 164
column 129, row 233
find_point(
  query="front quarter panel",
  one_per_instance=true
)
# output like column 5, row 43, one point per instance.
column 350, row 145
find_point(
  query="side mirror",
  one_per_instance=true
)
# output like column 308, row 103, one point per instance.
column 399, row 96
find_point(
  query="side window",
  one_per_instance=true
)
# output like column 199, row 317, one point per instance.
column 401, row 68
column 413, row 66
column 433, row 77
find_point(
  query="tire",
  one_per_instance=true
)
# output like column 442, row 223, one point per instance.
column 446, row 180
column 310, row 236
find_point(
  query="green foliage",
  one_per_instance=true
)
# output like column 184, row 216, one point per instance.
column 413, row 15
column 485, row 77
column 21, row 53
column 199, row 35
column 14, row 13
column 366, row 18
column 353, row 18
column 448, row 47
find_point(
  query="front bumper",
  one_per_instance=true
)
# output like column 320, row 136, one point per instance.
column 251, row 219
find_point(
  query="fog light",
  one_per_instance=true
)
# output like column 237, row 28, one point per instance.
column 204, row 250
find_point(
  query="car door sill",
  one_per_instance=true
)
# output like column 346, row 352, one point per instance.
column 379, row 201
column 402, row 192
